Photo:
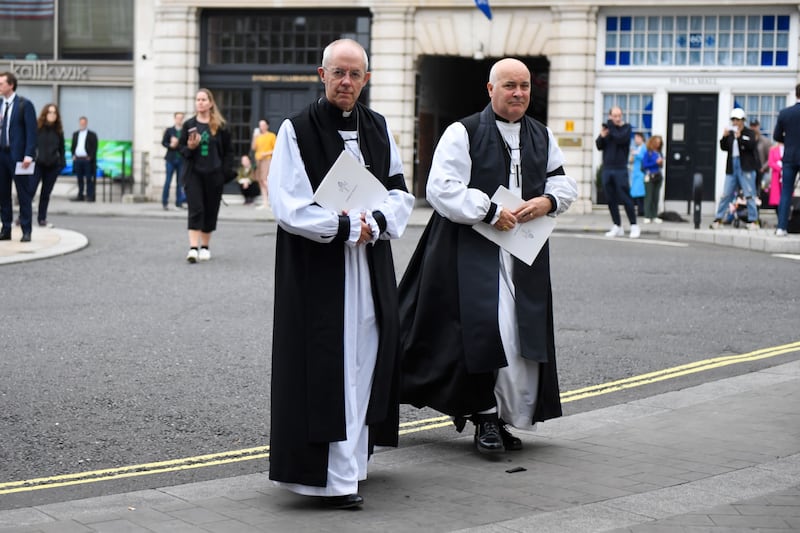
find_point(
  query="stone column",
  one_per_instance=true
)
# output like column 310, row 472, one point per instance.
column 572, row 53
column 174, row 67
column 393, row 76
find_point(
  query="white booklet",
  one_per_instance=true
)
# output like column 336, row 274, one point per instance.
column 348, row 185
column 526, row 239
column 20, row 171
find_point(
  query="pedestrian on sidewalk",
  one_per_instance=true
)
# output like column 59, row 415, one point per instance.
column 787, row 131
column 614, row 141
column 50, row 157
column 637, row 174
column 740, row 169
column 174, row 163
column 17, row 146
column 335, row 332
column 263, row 147
column 84, row 160
column 653, row 163
column 205, row 144
column 476, row 323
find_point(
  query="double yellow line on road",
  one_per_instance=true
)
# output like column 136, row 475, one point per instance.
column 262, row 452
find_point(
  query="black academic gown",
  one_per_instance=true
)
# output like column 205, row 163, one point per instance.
column 308, row 348
column 449, row 292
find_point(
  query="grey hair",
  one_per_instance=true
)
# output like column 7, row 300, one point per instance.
column 326, row 53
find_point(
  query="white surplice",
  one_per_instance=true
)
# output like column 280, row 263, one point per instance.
column 291, row 199
column 449, row 193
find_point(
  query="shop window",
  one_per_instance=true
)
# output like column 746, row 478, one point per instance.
column 762, row 107
column 26, row 29
column 637, row 109
column 236, row 106
column 701, row 41
column 281, row 37
column 96, row 29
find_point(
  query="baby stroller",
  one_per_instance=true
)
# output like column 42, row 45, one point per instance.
column 737, row 211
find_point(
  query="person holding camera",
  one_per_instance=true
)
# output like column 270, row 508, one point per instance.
column 614, row 141
column 740, row 171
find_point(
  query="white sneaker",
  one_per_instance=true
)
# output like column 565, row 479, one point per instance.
column 635, row 232
column 658, row 220
column 205, row 255
column 262, row 206
column 615, row 231
column 753, row 226
column 781, row 233
column 648, row 220
column 192, row 255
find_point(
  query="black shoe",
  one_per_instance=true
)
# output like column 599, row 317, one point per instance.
column 487, row 434
column 348, row 501
column 90, row 199
column 510, row 442
column 26, row 237
column 5, row 236
column 77, row 199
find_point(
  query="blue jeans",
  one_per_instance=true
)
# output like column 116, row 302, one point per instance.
column 617, row 188
column 740, row 179
column 180, row 195
column 787, row 188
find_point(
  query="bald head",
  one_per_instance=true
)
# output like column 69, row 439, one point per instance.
column 510, row 88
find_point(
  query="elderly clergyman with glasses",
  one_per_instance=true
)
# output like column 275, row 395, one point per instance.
column 335, row 334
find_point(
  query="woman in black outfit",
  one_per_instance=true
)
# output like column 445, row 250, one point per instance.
column 208, row 161
column 50, row 157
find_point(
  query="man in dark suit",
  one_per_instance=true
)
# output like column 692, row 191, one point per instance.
column 787, row 131
column 17, row 145
column 84, row 159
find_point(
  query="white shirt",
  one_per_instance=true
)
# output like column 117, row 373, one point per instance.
column 80, row 150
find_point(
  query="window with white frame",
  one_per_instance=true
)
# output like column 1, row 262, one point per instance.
column 761, row 107
column 637, row 109
column 720, row 41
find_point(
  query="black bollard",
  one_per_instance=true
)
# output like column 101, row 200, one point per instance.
column 697, row 197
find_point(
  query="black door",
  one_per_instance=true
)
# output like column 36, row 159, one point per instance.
column 280, row 101
column 691, row 145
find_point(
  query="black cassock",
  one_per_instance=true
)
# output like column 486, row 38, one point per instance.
column 449, row 292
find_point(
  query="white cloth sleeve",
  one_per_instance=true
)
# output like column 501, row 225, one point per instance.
column 292, row 198
column 562, row 187
column 448, row 189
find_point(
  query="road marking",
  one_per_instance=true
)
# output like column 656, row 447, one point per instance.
column 625, row 239
column 796, row 257
column 262, row 452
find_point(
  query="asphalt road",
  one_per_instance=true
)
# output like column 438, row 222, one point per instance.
column 123, row 354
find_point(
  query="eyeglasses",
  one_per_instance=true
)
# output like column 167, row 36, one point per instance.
column 340, row 73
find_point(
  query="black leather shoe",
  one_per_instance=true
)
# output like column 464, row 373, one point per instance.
column 349, row 501
column 5, row 236
column 26, row 237
column 487, row 434
column 77, row 199
column 510, row 442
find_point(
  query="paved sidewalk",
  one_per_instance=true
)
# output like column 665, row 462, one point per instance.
column 50, row 242
column 720, row 457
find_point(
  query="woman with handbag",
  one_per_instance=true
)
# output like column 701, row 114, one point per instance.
column 50, row 157
column 653, row 178
column 207, row 150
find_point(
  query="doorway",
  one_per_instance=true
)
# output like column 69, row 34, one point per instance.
column 691, row 145
column 450, row 88
column 280, row 101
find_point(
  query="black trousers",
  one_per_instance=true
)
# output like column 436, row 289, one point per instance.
column 203, row 196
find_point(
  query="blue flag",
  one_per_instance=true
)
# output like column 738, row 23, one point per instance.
column 483, row 5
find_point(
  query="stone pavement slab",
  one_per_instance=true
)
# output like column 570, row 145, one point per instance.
column 721, row 456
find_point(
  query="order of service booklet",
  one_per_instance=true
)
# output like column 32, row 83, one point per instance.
column 348, row 185
column 526, row 239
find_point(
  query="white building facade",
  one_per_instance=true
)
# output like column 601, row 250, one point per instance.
column 677, row 69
